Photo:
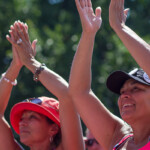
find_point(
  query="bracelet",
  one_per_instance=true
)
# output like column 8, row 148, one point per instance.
column 14, row 83
column 37, row 72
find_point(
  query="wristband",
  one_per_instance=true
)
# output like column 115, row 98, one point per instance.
column 37, row 72
column 14, row 83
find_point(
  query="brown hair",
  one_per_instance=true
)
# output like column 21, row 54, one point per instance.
column 57, row 137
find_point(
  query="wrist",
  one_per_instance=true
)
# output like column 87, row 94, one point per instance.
column 38, row 72
column 15, row 65
column 88, row 35
column 118, row 28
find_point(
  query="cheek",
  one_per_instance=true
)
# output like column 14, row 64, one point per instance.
column 119, row 102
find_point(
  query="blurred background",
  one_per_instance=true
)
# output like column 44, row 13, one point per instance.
column 56, row 25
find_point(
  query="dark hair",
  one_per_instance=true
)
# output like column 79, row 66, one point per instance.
column 57, row 137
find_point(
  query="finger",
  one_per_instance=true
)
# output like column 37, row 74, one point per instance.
column 13, row 33
column 25, row 31
column 34, row 46
column 126, row 11
column 98, row 12
column 83, row 3
column 10, row 40
column 24, row 28
column 79, row 5
column 86, row 3
column 89, row 3
column 121, row 5
column 19, row 31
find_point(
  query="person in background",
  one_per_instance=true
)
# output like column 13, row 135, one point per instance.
column 54, row 83
column 90, row 141
column 132, row 132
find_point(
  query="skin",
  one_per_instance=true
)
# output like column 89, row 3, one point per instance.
column 56, row 85
column 6, row 137
column 137, row 96
column 31, row 134
column 107, row 128
column 7, row 140
column 138, row 48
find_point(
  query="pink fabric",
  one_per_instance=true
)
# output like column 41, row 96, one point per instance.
column 122, row 140
column 146, row 147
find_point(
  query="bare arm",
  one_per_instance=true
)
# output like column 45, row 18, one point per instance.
column 7, row 140
column 97, row 118
column 138, row 48
column 70, row 121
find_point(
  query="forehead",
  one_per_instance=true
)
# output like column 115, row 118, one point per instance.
column 133, row 82
column 29, row 112
column 129, row 82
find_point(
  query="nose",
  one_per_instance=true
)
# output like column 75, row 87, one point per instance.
column 125, row 94
column 23, row 122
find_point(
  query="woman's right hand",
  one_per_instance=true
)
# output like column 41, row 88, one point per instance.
column 117, row 14
column 90, row 22
column 16, row 60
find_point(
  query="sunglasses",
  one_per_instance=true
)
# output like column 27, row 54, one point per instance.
column 90, row 142
column 33, row 100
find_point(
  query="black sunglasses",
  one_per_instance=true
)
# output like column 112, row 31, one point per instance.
column 33, row 100
column 90, row 142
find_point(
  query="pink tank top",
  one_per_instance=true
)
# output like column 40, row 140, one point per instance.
column 146, row 147
column 126, row 138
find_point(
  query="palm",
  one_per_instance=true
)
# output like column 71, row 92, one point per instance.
column 89, row 20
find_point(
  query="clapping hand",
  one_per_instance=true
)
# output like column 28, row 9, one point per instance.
column 20, row 40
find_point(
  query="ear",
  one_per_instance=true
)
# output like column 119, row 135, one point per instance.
column 53, row 130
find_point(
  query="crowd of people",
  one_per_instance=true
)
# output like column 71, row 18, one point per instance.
column 44, row 123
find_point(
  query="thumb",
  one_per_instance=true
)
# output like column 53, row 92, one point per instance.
column 98, row 12
column 34, row 46
column 126, row 12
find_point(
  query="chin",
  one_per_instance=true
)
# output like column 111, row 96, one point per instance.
column 127, row 117
column 25, row 140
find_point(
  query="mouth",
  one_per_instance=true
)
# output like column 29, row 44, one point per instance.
column 24, row 131
column 127, row 107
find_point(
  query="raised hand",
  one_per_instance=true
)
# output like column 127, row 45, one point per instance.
column 90, row 21
column 20, row 40
column 16, row 58
column 117, row 13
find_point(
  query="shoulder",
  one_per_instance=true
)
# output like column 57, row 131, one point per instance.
column 121, row 131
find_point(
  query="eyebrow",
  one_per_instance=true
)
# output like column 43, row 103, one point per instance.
column 132, row 83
